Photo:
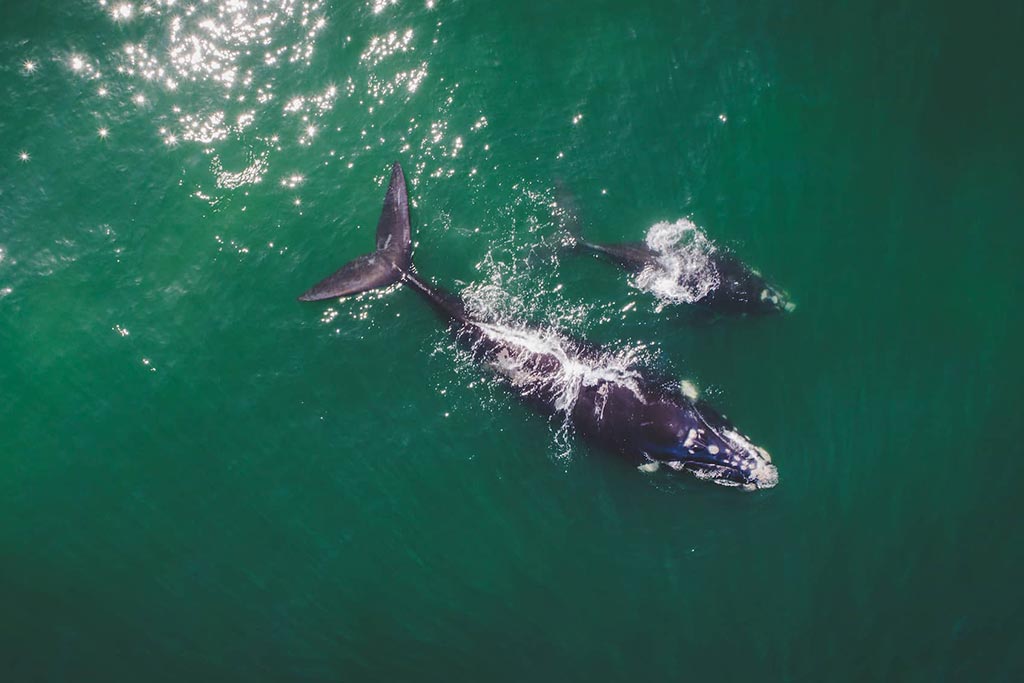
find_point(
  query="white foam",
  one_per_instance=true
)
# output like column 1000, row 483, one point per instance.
column 684, row 271
column 522, row 347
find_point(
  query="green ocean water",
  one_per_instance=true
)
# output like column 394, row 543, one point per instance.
column 202, row 479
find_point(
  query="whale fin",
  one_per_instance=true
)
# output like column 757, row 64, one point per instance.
column 394, row 234
column 388, row 263
column 367, row 272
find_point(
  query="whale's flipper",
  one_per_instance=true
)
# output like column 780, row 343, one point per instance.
column 388, row 263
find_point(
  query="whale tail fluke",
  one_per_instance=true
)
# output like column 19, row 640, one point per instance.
column 388, row 263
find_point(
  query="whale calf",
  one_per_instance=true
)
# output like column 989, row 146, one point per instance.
column 679, row 264
column 617, row 406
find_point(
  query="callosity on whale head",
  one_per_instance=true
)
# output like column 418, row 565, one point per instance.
column 744, row 290
column 692, row 436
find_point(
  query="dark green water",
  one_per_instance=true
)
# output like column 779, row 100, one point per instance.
column 203, row 480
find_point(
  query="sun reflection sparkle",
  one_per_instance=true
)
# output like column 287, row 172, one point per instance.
column 122, row 12
column 228, row 44
column 382, row 47
column 199, row 72
column 250, row 175
column 378, row 6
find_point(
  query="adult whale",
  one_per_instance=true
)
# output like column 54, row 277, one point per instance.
column 616, row 406
column 712, row 279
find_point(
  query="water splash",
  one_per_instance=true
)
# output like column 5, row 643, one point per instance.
column 511, row 290
column 542, row 362
column 684, row 271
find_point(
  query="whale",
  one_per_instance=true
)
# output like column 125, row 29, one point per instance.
column 612, row 403
column 711, row 279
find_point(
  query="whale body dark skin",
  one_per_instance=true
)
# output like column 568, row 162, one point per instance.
column 625, row 411
column 740, row 290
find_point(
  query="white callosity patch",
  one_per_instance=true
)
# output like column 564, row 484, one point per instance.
column 778, row 299
column 758, row 461
column 689, row 389
column 740, row 443
column 684, row 271
column 764, row 474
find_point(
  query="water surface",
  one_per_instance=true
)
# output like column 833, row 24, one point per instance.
column 203, row 479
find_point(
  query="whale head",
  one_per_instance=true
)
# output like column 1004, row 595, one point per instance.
column 744, row 290
column 692, row 436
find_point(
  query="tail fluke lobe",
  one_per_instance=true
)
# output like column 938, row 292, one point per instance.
column 385, row 266
column 394, row 234
column 367, row 272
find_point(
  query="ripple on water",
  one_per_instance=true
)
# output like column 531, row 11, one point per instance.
column 210, row 73
column 224, row 72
